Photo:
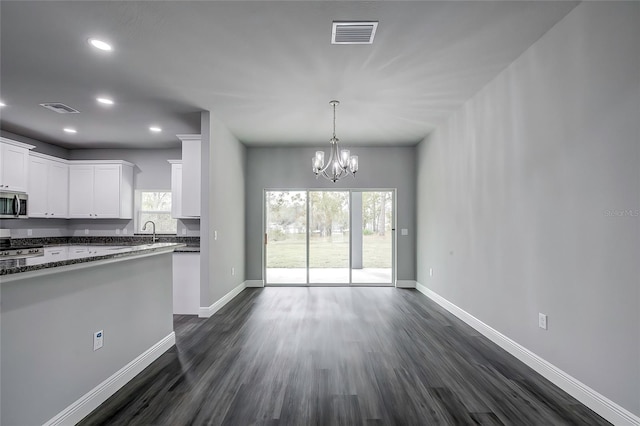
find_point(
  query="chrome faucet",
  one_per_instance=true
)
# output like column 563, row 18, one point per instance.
column 144, row 228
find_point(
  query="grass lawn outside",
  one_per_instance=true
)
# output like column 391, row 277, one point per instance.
column 327, row 252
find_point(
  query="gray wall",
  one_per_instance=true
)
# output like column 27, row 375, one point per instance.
column 222, row 210
column 48, row 323
column 529, row 200
column 41, row 147
column 284, row 168
column 191, row 227
column 152, row 171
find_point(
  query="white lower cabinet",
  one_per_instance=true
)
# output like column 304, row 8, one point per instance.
column 48, row 187
column 102, row 190
column 186, row 283
column 56, row 253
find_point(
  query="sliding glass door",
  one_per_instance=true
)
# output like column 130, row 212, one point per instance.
column 286, row 237
column 321, row 237
column 372, row 239
column 329, row 237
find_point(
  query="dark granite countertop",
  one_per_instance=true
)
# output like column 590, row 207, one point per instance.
column 65, row 254
column 132, row 240
column 188, row 249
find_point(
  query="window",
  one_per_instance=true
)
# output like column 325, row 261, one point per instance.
column 155, row 206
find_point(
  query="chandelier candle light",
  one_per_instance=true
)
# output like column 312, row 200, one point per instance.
column 341, row 163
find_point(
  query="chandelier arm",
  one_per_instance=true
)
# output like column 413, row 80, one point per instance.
column 334, row 155
column 342, row 173
column 329, row 162
column 338, row 155
column 326, row 166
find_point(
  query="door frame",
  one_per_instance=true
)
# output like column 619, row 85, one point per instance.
column 394, row 237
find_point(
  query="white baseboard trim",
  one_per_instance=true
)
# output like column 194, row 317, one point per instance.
column 254, row 283
column 583, row 393
column 96, row 396
column 207, row 311
column 405, row 284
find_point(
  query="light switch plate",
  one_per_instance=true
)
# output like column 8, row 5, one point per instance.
column 98, row 340
column 404, row 231
column 542, row 321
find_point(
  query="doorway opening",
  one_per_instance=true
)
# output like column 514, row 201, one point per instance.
column 323, row 237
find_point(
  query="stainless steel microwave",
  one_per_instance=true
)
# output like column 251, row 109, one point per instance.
column 13, row 205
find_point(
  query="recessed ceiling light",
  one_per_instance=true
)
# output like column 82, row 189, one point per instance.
column 105, row 101
column 99, row 44
column 155, row 129
column 70, row 130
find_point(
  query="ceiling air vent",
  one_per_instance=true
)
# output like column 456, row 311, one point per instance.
column 353, row 32
column 59, row 108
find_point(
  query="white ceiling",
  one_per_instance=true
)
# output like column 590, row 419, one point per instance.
column 266, row 68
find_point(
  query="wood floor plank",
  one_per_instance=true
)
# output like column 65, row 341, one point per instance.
column 486, row 419
column 336, row 356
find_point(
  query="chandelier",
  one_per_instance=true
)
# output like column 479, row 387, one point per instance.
column 340, row 164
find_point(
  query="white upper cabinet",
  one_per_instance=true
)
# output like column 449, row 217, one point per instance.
column 101, row 190
column 176, row 189
column 38, row 173
column 191, row 157
column 80, row 191
column 58, row 195
column 106, row 187
column 14, row 165
column 48, row 186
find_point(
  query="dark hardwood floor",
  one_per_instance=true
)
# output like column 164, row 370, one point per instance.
column 336, row 356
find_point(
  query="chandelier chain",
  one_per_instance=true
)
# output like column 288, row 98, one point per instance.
column 334, row 120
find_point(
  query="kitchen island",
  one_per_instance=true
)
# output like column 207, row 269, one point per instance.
column 51, row 308
column 66, row 255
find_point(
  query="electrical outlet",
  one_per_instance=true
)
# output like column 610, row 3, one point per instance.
column 117, row 231
column 184, row 231
column 542, row 321
column 404, row 231
column 124, row 231
column 233, row 271
column 98, row 340
column 29, row 232
column 430, row 272
column 86, row 232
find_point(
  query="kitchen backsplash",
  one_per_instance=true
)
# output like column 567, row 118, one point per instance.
column 20, row 228
column 40, row 228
